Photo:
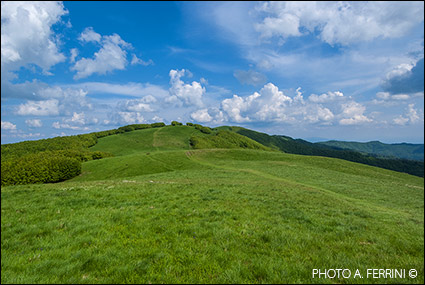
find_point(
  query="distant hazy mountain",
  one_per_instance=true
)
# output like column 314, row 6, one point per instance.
column 378, row 149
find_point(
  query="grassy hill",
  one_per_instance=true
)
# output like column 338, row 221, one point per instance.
column 299, row 146
column 399, row 150
column 160, row 211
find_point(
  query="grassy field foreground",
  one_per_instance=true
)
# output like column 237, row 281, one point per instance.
column 163, row 213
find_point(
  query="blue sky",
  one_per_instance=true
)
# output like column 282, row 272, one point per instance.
column 313, row 70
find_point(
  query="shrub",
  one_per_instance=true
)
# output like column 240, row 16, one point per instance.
column 141, row 126
column 175, row 123
column 157, row 125
column 189, row 124
column 128, row 128
column 102, row 134
column 205, row 130
column 20, row 149
column 39, row 168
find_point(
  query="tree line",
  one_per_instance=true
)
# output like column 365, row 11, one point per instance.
column 54, row 159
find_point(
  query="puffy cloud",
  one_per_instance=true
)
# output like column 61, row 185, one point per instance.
column 89, row 35
column 39, row 108
column 273, row 103
column 410, row 117
column 339, row 22
column 326, row 97
column 400, row 120
column 137, row 105
column 157, row 119
column 352, row 114
column 412, row 114
column 112, row 55
column 400, row 97
column 7, row 125
column 385, row 98
column 26, row 34
column 78, row 121
column 405, row 79
column 235, row 106
column 250, row 77
column 58, row 125
column 201, row 116
column 35, row 123
column 125, row 118
column 57, row 101
column 285, row 25
column 188, row 94
column 317, row 113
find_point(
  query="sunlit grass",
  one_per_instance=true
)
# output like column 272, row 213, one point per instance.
column 212, row 216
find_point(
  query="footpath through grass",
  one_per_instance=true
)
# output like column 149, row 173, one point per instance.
column 213, row 216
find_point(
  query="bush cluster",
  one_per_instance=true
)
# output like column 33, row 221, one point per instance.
column 175, row 123
column 55, row 159
column 205, row 130
column 16, row 150
column 41, row 167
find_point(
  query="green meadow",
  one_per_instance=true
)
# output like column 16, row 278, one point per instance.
column 162, row 210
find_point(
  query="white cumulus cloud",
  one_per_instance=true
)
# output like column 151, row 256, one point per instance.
column 339, row 22
column 7, row 125
column 89, row 35
column 125, row 118
column 326, row 97
column 201, row 116
column 27, row 36
column 352, row 114
column 234, row 107
column 137, row 105
column 111, row 56
column 188, row 94
column 39, row 108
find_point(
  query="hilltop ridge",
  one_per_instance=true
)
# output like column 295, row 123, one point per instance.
column 60, row 158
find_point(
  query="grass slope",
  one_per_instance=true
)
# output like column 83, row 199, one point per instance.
column 225, row 139
column 299, row 146
column 178, row 215
column 147, row 140
column 400, row 150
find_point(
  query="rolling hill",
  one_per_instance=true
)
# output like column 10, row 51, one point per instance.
column 299, row 146
column 399, row 150
column 174, row 204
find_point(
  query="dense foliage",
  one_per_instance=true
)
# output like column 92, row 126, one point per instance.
column 205, row 130
column 298, row 146
column 20, row 149
column 225, row 139
column 39, row 168
column 54, row 159
column 175, row 123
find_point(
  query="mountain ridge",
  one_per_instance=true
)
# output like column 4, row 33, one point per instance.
column 379, row 149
